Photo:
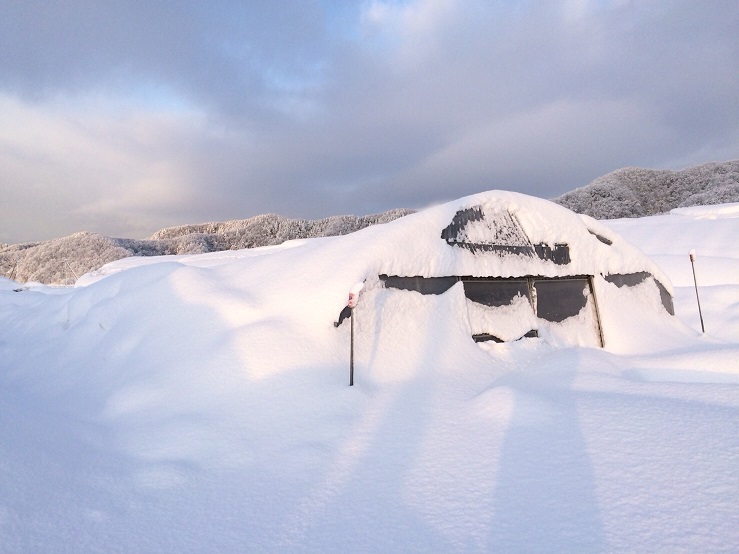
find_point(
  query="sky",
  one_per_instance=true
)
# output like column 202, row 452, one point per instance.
column 124, row 117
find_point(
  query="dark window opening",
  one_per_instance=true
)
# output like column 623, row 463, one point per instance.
column 633, row 279
column 501, row 234
column 485, row 337
column 560, row 254
column 555, row 300
column 495, row 293
column 627, row 279
column 424, row 285
column 452, row 233
column 558, row 299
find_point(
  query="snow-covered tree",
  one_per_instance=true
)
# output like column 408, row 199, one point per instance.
column 636, row 192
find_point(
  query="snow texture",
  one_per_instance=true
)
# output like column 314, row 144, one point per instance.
column 199, row 403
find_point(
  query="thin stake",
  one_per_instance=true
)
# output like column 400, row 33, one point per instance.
column 351, row 350
column 700, row 313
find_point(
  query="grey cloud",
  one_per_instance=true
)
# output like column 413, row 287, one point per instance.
column 303, row 118
column 222, row 54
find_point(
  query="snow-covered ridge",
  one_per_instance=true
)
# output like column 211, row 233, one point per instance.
column 412, row 246
column 637, row 192
column 61, row 261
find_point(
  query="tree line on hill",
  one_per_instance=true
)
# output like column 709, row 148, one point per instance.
column 60, row 261
column 636, row 192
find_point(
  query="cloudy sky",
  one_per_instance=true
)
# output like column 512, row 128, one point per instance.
column 126, row 116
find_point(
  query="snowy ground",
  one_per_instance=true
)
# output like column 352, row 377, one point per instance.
column 200, row 404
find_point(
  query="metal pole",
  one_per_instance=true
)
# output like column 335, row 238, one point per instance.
column 351, row 350
column 700, row 313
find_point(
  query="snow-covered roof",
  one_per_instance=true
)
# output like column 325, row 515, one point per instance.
column 502, row 234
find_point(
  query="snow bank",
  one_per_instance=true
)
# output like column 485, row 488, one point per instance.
column 709, row 212
column 200, row 404
column 8, row 284
column 711, row 231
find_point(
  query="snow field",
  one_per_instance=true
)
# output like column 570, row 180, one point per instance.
column 200, row 404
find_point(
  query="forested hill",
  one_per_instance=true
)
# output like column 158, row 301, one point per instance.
column 636, row 192
column 60, row 261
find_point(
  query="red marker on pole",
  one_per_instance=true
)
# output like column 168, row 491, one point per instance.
column 695, row 281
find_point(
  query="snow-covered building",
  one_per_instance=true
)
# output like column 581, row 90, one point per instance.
column 525, row 266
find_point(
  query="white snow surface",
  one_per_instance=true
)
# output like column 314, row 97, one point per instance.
column 201, row 403
column 709, row 212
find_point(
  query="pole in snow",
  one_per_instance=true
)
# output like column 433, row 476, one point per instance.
column 695, row 281
column 351, row 350
column 348, row 312
column 353, row 297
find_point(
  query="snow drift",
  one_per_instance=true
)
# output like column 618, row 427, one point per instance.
column 200, row 403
